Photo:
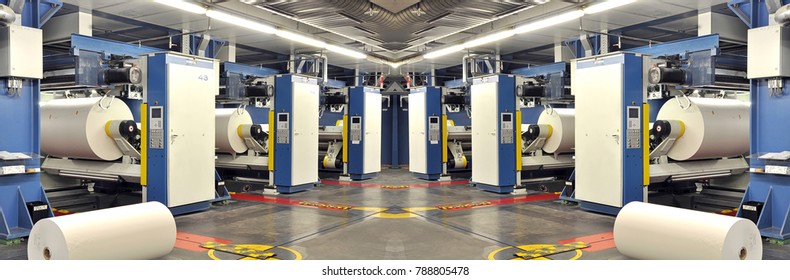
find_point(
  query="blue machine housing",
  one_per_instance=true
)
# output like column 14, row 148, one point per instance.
column 20, row 133
column 433, row 152
column 506, row 103
column 633, row 163
column 157, row 169
column 767, row 135
column 283, row 102
column 356, row 152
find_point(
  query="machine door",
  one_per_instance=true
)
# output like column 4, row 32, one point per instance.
column 190, row 120
column 599, row 122
column 372, row 123
column 418, row 161
column 485, row 138
column 304, row 142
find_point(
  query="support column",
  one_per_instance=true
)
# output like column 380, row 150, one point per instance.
column 562, row 53
column 228, row 53
column 728, row 27
column 60, row 28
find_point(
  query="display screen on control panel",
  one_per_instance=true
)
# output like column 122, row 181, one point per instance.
column 356, row 120
column 156, row 113
column 434, row 120
column 506, row 117
column 633, row 112
column 283, row 117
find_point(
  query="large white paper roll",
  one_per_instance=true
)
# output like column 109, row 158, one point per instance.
column 562, row 121
column 715, row 127
column 135, row 232
column 649, row 231
column 75, row 128
column 226, row 130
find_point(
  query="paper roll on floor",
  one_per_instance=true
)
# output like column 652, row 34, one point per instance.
column 226, row 129
column 75, row 128
column 655, row 232
column 562, row 121
column 715, row 127
column 135, row 232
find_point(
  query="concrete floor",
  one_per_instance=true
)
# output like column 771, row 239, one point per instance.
column 388, row 221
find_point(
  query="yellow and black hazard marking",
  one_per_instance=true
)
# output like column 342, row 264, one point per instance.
column 397, row 187
column 220, row 251
column 571, row 251
column 331, row 206
column 244, row 251
column 545, row 251
column 464, row 205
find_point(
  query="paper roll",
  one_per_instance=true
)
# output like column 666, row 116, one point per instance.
column 650, row 231
column 226, row 129
column 562, row 122
column 75, row 128
column 136, row 232
column 715, row 128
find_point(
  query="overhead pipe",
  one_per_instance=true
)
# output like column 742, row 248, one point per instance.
column 782, row 15
column 7, row 15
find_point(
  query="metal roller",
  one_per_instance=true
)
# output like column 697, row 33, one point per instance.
column 125, row 75
column 667, row 76
column 453, row 99
column 335, row 99
column 126, row 129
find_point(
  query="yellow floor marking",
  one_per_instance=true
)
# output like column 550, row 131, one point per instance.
column 258, row 247
column 531, row 247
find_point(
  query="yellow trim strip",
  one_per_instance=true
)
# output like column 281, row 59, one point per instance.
column 517, row 131
column 144, row 144
column 444, row 138
column 107, row 129
column 645, row 144
column 271, row 139
column 345, row 138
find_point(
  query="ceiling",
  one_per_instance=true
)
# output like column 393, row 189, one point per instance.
column 391, row 32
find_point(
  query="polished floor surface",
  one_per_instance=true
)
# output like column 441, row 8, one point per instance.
column 395, row 217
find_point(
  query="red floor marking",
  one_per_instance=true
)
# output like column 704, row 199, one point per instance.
column 292, row 202
column 191, row 242
column 495, row 202
column 378, row 186
column 598, row 242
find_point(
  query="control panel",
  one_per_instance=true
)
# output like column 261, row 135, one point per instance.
column 283, row 128
column 433, row 130
column 156, row 127
column 356, row 129
column 633, row 136
column 506, row 128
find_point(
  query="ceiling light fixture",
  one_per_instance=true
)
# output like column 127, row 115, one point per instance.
column 296, row 37
column 443, row 52
column 346, row 52
column 610, row 4
column 186, row 6
column 550, row 21
column 239, row 21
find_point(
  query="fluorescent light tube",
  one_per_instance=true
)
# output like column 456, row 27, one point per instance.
column 443, row 52
column 488, row 39
column 607, row 5
column 300, row 38
column 543, row 23
column 346, row 52
column 239, row 21
column 186, row 6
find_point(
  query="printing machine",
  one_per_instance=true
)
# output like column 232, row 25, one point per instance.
column 436, row 145
column 622, row 157
column 166, row 158
column 276, row 144
column 515, row 154
column 353, row 144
